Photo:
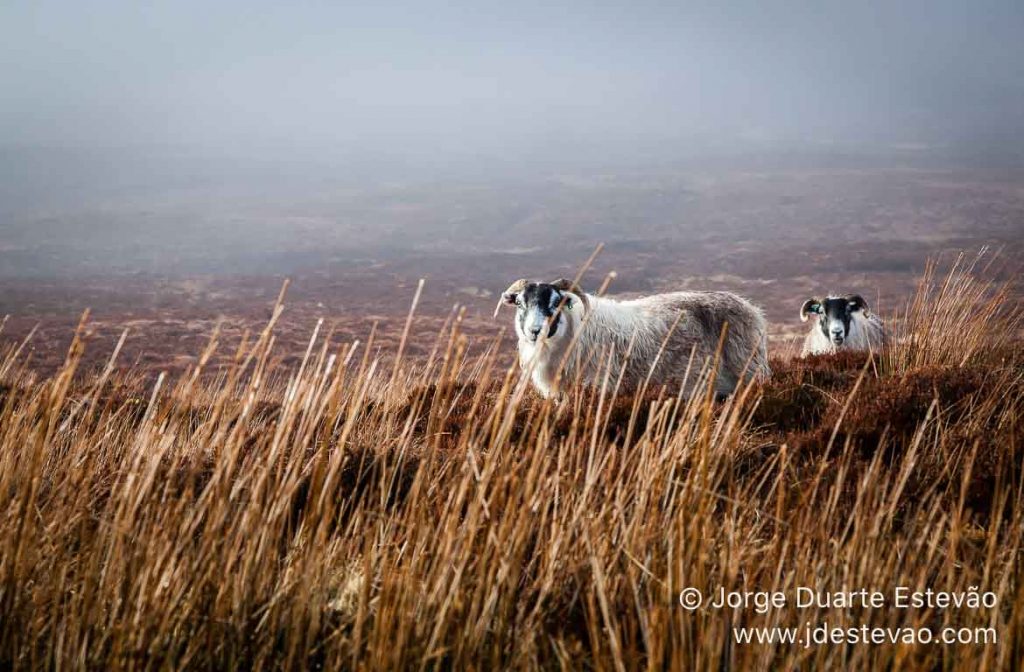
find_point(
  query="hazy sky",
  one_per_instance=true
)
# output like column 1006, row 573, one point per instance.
column 307, row 77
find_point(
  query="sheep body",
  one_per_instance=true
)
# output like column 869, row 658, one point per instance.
column 627, row 335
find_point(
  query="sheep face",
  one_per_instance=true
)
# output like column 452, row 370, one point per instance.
column 540, row 310
column 834, row 314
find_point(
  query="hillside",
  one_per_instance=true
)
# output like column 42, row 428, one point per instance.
column 356, row 511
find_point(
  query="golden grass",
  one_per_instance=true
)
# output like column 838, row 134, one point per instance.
column 952, row 318
column 343, row 515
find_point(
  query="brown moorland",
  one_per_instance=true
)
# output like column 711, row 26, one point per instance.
column 351, row 510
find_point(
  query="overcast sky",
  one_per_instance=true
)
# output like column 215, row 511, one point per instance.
column 314, row 78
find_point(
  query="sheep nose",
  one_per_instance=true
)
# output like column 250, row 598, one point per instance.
column 535, row 332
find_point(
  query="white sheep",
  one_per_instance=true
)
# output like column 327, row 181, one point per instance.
column 650, row 338
column 843, row 323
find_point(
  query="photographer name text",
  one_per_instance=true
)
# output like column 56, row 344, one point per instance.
column 803, row 597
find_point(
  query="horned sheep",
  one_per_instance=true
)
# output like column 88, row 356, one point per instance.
column 841, row 323
column 647, row 339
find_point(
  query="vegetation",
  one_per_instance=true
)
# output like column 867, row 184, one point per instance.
column 362, row 512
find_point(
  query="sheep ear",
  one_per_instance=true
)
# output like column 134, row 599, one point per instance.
column 810, row 306
column 857, row 302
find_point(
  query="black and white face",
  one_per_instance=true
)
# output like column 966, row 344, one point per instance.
column 537, row 313
column 834, row 315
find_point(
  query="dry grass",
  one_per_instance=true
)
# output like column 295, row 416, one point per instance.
column 952, row 318
column 348, row 514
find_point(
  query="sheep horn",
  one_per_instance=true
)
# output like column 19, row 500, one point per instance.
column 566, row 286
column 810, row 305
column 858, row 301
column 509, row 295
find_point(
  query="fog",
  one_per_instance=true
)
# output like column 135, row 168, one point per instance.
column 320, row 79
column 125, row 124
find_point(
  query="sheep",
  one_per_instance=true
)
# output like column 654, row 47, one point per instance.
column 844, row 323
column 647, row 339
